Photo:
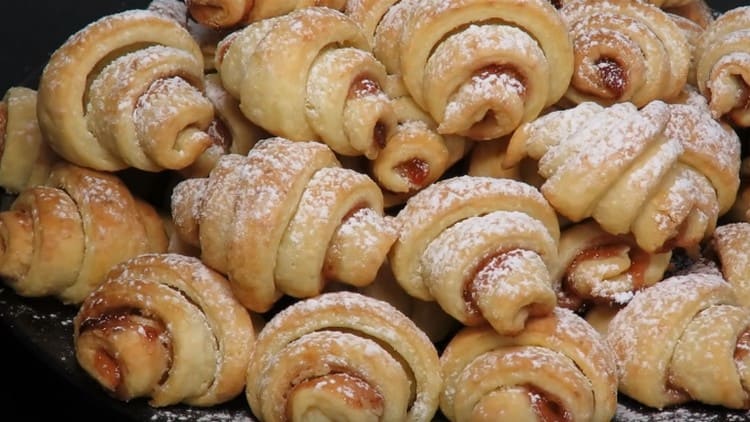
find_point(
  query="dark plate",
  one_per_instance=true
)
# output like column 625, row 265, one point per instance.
column 37, row 333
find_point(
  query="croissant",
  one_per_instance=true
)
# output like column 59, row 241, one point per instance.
column 481, row 248
column 233, row 13
column 663, row 173
column 126, row 91
column 284, row 219
column 167, row 327
column 728, row 246
column 557, row 368
column 482, row 67
column 701, row 352
column 230, row 130
column 625, row 51
column 722, row 68
column 596, row 266
column 291, row 81
column 61, row 238
column 25, row 157
column 343, row 356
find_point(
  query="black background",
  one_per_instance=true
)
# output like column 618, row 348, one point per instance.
column 30, row 31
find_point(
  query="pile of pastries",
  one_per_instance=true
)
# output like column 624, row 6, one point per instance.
column 393, row 210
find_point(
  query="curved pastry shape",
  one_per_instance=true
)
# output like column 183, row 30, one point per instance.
column 232, row 13
column 625, row 51
column 344, row 356
column 481, row 68
column 697, row 11
column 61, row 238
column 722, row 66
column 596, row 266
column 25, row 156
column 663, row 173
column 284, row 219
column 230, row 130
column 701, row 353
column 416, row 155
column 557, row 368
column 309, row 75
column 126, row 91
column 167, row 327
column 480, row 247
column 728, row 246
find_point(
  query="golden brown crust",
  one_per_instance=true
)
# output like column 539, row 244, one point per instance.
column 166, row 327
column 107, row 102
column 385, row 358
column 558, row 367
column 61, row 239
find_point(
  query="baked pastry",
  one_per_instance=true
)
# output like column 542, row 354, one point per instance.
column 230, row 130
column 343, row 356
column 416, row 155
column 728, row 247
column 481, row 68
column 25, row 157
column 722, row 68
column 481, row 248
column 126, row 91
column 557, row 368
column 285, row 218
column 309, row 75
column 624, row 51
column 595, row 266
column 234, row 13
column 684, row 338
column 165, row 327
column 60, row 239
column 697, row 11
column 663, row 173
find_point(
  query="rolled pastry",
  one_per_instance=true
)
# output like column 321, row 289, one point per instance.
column 594, row 266
column 232, row 13
column 285, row 218
column 126, row 91
column 166, row 327
column 663, row 173
column 697, row 11
column 309, row 75
column 343, row 356
column 230, row 130
column 625, row 51
column 685, row 338
column 723, row 66
column 557, row 368
column 480, row 247
column 728, row 246
column 60, row 239
column 25, row 156
column 483, row 67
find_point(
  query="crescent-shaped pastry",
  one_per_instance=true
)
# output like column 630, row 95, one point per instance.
column 230, row 130
column 284, row 219
column 166, row 327
column 722, row 65
column 557, row 368
column 595, row 266
column 684, row 338
column 480, row 247
column 126, row 91
column 60, row 239
column 309, row 75
column 728, row 246
column 625, row 51
column 483, row 67
column 25, row 156
column 343, row 355
column 663, row 173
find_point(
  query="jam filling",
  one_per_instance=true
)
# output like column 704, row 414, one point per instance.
column 547, row 409
column 613, row 76
column 415, row 171
column 220, row 134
